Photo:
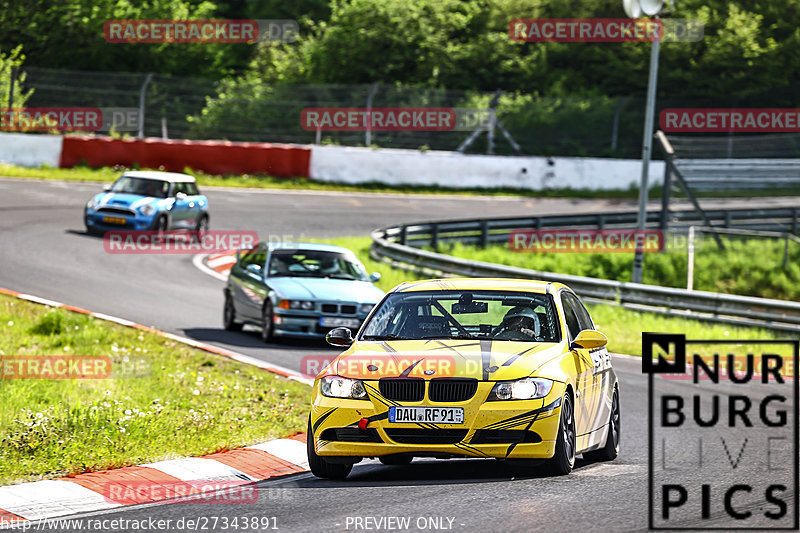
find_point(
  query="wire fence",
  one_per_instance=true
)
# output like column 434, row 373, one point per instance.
column 198, row 108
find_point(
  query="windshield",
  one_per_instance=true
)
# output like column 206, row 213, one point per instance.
column 141, row 186
column 316, row 264
column 497, row 315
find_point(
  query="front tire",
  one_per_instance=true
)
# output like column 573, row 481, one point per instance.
column 610, row 451
column 564, row 457
column 267, row 325
column 229, row 315
column 319, row 466
column 201, row 227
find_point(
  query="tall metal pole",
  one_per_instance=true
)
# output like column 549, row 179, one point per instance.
column 11, row 87
column 647, row 148
column 141, row 104
column 370, row 96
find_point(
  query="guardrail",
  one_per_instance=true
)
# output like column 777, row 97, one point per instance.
column 399, row 246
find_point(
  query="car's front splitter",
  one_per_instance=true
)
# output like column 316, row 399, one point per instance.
column 521, row 429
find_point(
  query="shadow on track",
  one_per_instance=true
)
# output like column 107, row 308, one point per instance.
column 431, row 472
column 251, row 339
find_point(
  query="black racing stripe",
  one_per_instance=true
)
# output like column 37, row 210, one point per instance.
column 517, row 356
column 486, row 357
column 516, row 423
column 544, row 409
column 407, row 371
column 447, row 347
column 321, row 419
column 375, row 393
column 469, row 448
column 373, row 418
column 522, row 436
column 388, row 349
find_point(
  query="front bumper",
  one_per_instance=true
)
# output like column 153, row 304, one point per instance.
column 97, row 221
column 518, row 429
column 306, row 325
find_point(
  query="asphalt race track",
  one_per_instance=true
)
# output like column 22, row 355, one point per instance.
column 44, row 252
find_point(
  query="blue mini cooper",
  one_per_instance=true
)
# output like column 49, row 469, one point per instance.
column 148, row 200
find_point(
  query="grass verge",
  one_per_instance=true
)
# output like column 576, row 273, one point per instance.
column 747, row 266
column 167, row 400
column 622, row 326
column 109, row 174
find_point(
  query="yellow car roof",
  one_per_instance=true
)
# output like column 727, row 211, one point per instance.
column 498, row 284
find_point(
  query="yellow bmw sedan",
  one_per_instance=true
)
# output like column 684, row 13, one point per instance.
column 489, row 368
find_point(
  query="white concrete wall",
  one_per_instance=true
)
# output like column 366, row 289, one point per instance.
column 28, row 150
column 452, row 169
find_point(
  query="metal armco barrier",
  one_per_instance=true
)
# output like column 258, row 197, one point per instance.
column 399, row 246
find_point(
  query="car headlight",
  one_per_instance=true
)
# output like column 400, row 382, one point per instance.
column 92, row 203
column 366, row 308
column 523, row 389
column 339, row 387
column 147, row 209
column 305, row 305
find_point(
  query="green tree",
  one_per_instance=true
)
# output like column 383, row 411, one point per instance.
column 9, row 61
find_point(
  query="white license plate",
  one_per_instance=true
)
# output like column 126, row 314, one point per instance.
column 431, row 415
column 337, row 322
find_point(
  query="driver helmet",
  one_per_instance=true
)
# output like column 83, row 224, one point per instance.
column 522, row 317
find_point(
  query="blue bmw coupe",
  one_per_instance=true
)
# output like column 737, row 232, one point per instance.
column 298, row 290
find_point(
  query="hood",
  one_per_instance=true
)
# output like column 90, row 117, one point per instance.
column 132, row 201
column 326, row 289
column 483, row 360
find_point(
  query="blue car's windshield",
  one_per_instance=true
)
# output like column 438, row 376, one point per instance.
column 316, row 264
column 480, row 314
column 141, row 186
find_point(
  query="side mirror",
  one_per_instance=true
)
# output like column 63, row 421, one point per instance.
column 180, row 196
column 339, row 337
column 106, row 187
column 254, row 268
column 589, row 339
column 375, row 277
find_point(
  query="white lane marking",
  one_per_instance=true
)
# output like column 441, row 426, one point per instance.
column 290, row 450
column 200, row 469
column 116, row 320
column 49, row 498
column 197, row 261
column 608, row 470
column 219, row 261
column 43, row 301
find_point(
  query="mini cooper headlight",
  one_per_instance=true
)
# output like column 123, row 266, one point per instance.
column 147, row 209
column 523, row 389
column 366, row 308
column 92, row 203
column 339, row 387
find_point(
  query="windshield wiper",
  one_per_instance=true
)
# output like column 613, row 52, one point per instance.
column 389, row 337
